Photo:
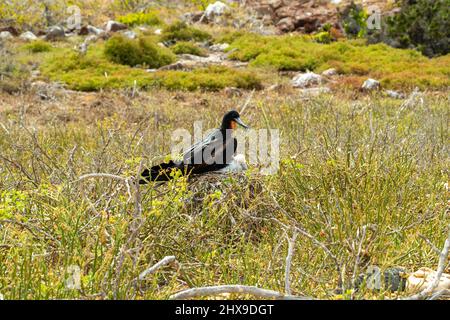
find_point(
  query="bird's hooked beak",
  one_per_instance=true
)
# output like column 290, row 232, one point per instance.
column 242, row 124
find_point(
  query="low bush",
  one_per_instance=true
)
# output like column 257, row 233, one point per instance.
column 211, row 78
column 394, row 67
column 422, row 24
column 142, row 51
column 95, row 72
column 38, row 46
column 141, row 18
column 354, row 20
column 322, row 37
column 180, row 31
column 189, row 48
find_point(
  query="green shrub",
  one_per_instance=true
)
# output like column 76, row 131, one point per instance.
column 423, row 24
column 94, row 72
column 322, row 37
column 354, row 20
column 141, row 18
column 189, row 48
column 180, row 31
column 38, row 46
column 394, row 67
column 144, row 51
column 211, row 78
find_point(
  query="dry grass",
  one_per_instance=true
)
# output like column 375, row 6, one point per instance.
column 346, row 164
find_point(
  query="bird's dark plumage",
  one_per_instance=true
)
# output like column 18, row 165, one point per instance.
column 213, row 153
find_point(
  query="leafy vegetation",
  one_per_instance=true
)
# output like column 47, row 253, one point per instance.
column 38, row 46
column 94, row 72
column 394, row 67
column 422, row 24
column 189, row 48
column 143, row 51
column 354, row 20
column 211, row 78
column 180, row 31
column 141, row 18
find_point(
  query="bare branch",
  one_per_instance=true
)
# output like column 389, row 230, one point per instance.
column 443, row 257
column 247, row 102
column 241, row 289
column 101, row 175
column 165, row 261
column 358, row 254
column 435, row 249
column 441, row 293
column 291, row 248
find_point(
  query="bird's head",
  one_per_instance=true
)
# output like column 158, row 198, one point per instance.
column 231, row 120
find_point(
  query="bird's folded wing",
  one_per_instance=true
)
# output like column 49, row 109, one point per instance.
column 197, row 148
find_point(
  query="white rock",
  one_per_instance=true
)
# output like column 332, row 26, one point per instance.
column 28, row 36
column 220, row 47
column 55, row 33
column 6, row 35
column 130, row 34
column 212, row 58
column 113, row 26
column 94, row 31
column 394, row 94
column 330, row 72
column 304, row 80
column 371, row 84
column 216, row 9
column 158, row 31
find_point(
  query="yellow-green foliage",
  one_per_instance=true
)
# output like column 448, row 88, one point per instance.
column 180, row 31
column 211, row 78
column 12, row 203
column 38, row 46
column 188, row 47
column 322, row 37
column 141, row 18
column 143, row 51
column 394, row 67
column 94, row 72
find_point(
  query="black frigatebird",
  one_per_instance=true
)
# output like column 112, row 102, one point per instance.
column 214, row 153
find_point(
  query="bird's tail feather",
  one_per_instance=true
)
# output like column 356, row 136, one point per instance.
column 160, row 172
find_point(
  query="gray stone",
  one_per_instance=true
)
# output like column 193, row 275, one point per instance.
column 6, row 35
column 54, row 33
column 394, row 94
column 330, row 72
column 371, row 84
column 220, row 47
column 95, row 31
column 130, row 34
column 28, row 36
column 216, row 9
column 286, row 24
column 304, row 80
column 114, row 26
